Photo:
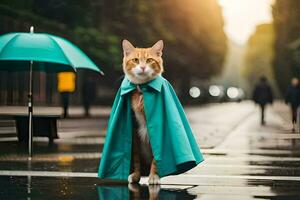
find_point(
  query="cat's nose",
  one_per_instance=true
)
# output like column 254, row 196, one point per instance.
column 143, row 67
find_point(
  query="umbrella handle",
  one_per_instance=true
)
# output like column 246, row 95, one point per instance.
column 30, row 112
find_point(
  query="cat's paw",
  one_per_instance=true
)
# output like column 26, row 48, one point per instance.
column 154, row 179
column 134, row 178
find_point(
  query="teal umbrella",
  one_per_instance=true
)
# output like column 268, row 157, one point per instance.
column 42, row 52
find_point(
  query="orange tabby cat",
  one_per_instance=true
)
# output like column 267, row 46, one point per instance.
column 142, row 65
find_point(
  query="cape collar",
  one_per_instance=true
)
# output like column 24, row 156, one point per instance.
column 128, row 86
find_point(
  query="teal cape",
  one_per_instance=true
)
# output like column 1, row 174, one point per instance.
column 174, row 147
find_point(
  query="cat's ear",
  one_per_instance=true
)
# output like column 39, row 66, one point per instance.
column 158, row 47
column 127, row 47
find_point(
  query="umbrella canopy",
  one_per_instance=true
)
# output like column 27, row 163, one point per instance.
column 45, row 50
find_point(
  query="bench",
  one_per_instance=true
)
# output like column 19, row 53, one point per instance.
column 44, row 125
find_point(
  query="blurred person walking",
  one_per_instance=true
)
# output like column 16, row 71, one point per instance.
column 88, row 94
column 292, row 98
column 263, row 95
column 65, row 85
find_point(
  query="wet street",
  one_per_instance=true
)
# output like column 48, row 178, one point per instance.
column 243, row 160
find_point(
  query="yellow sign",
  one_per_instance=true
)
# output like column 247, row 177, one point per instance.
column 66, row 82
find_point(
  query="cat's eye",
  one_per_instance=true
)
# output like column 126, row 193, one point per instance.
column 136, row 60
column 149, row 60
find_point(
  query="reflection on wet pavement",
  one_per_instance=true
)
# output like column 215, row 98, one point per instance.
column 84, row 188
column 92, row 188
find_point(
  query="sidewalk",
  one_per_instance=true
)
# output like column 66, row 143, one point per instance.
column 283, row 110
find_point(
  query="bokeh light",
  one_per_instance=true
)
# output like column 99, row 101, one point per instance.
column 195, row 92
column 214, row 90
column 233, row 92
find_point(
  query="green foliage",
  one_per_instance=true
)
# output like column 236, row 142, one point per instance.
column 197, row 45
column 192, row 30
column 286, row 14
column 259, row 54
column 24, row 18
column 101, row 46
column 20, row 4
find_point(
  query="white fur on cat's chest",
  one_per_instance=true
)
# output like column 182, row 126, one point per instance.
column 142, row 126
column 143, row 133
column 143, row 137
column 142, row 129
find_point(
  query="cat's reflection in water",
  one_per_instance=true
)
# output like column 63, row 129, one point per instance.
column 154, row 192
column 136, row 192
column 142, row 192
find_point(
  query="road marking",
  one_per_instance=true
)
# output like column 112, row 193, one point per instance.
column 198, row 176
column 8, row 130
column 77, row 133
column 8, row 139
column 276, row 136
column 265, row 167
column 253, row 158
column 250, row 151
column 196, row 179
column 82, row 140
column 47, row 174
column 165, row 180
column 60, row 157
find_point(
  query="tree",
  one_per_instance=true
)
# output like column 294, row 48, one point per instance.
column 286, row 14
column 259, row 54
column 192, row 31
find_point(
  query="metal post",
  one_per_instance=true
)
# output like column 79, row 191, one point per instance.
column 30, row 112
column 30, row 102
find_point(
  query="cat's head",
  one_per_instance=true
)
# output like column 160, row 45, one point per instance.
column 142, row 65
